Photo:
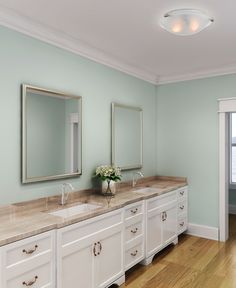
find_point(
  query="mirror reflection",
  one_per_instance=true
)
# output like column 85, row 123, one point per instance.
column 51, row 134
column 126, row 136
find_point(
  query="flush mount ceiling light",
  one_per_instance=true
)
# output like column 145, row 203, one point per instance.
column 185, row 22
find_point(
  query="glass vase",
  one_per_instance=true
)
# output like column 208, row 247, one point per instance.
column 108, row 187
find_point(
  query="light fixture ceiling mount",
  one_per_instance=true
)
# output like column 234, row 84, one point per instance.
column 185, row 22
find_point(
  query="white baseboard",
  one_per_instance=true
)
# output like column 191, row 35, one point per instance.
column 232, row 209
column 203, row 231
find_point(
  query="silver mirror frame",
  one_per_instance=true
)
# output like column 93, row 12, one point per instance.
column 24, row 178
column 113, row 144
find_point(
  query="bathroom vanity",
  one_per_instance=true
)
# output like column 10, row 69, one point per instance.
column 92, row 249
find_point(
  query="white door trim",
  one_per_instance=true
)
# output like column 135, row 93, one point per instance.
column 225, row 107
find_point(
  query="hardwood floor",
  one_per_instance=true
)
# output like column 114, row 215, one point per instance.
column 194, row 262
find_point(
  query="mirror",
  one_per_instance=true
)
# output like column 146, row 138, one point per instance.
column 51, row 134
column 127, row 136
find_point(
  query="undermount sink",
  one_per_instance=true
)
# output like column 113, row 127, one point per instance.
column 146, row 190
column 74, row 210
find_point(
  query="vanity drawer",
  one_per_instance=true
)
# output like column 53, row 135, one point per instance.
column 28, row 249
column 182, row 224
column 40, row 277
column 182, row 207
column 80, row 230
column 134, row 255
column 182, row 192
column 161, row 200
column 134, row 230
column 134, row 209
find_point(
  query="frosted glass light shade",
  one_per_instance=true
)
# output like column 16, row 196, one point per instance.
column 185, row 22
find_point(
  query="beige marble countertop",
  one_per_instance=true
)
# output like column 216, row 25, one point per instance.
column 25, row 219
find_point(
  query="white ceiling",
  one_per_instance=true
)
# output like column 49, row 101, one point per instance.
column 125, row 34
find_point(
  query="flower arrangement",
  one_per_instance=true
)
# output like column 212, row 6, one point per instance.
column 108, row 173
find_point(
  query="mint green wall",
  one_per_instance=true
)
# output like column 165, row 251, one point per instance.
column 26, row 60
column 183, row 114
column 187, row 139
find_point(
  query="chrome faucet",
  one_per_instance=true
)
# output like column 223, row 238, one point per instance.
column 135, row 179
column 64, row 193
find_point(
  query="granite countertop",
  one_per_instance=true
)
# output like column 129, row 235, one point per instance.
column 25, row 219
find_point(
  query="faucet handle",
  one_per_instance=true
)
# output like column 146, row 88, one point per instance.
column 140, row 173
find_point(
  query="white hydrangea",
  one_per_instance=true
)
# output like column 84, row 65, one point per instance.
column 108, row 172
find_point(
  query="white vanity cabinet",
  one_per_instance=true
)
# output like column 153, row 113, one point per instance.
column 96, row 252
column 134, row 234
column 29, row 262
column 182, row 198
column 90, row 253
column 161, row 223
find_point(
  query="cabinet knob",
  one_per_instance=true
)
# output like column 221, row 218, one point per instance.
column 134, row 253
column 134, row 231
column 31, row 282
column 181, row 224
column 181, row 193
column 30, row 251
column 181, row 207
column 134, row 211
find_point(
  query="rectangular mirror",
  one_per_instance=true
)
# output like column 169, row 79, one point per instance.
column 51, row 134
column 127, row 136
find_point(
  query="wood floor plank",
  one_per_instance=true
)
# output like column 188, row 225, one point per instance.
column 228, row 282
column 139, row 282
column 173, row 275
column 193, row 263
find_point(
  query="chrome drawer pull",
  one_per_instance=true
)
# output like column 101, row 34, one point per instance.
column 30, row 283
column 134, row 253
column 181, row 207
column 134, row 210
column 134, row 230
column 30, row 251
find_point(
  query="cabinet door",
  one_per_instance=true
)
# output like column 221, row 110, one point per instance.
column 76, row 264
column 90, row 253
column 170, row 223
column 153, row 231
column 109, row 262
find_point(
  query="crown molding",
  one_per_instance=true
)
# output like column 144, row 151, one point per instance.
column 9, row 18
column 226, row 70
